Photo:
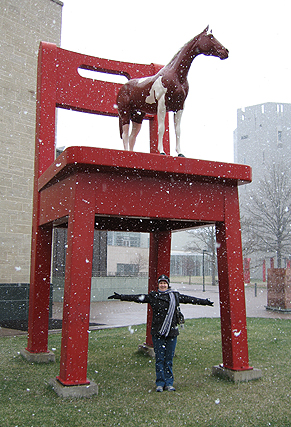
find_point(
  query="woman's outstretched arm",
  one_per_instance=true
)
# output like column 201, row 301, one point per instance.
column 187, row 299
column 132, row 298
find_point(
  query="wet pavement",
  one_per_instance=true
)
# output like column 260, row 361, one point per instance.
column 115, row 313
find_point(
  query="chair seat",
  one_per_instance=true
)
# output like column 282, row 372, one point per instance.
column 92, row 159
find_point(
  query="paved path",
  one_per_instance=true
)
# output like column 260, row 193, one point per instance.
column 117, row 313
column 111, row 314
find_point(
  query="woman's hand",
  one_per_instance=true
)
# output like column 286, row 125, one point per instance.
column 115, row 296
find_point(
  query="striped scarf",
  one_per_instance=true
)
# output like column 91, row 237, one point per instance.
column 166, row 326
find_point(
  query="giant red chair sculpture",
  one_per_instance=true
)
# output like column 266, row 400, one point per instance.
column 106, row 189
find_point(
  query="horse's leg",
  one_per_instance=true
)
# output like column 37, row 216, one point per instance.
column 134, row 132
column 161, row 121
column 125, row 138
column 157, row 93
column 177, row 124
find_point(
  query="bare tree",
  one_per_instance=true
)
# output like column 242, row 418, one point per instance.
column 266, row 223
column 204, row 239
column 141, row 261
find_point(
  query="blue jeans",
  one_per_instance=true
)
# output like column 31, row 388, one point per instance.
column 164, row 351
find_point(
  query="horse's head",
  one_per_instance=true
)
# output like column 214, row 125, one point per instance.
column 208, row 45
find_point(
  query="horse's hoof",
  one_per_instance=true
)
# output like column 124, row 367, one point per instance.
column 181, row 155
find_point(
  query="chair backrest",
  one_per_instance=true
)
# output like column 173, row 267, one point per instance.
column 61, row 85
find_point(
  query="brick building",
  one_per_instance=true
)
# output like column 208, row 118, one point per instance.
column 23, row 24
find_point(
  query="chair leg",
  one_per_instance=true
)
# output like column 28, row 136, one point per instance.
column 159, row 263
column 77, row 293
column 231, row 286
column 39, row 293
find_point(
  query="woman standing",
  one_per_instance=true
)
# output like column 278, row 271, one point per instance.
column 164, row 329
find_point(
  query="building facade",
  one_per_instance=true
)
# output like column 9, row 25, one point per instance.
column 23, row 24
column 263, row 135
column 262, row 138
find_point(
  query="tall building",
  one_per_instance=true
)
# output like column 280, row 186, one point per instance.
column 23, row 25
column 262, row 137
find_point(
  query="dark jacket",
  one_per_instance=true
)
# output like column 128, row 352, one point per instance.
column 159, row 301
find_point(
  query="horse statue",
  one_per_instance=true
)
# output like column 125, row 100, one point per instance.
column 163, row 92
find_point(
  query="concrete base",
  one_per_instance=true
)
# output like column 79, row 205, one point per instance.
column 146, row 349
column 38, row 357
column 75, row 391
column 236, row 376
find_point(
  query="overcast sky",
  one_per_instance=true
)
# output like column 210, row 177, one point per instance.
column 257, row 34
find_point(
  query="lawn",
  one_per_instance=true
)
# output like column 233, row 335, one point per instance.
column 126, row 381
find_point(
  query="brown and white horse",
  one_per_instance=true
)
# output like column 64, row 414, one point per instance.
column 163, row 92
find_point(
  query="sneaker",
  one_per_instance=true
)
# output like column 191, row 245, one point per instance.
column 159, row 388
column 170, row 388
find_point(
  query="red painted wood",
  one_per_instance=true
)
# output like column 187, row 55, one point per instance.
column 105, row 159
column 159, row 263
column 38, row 318
column 45, row 108
column 77, row 292
column 231, row 286
column 142, row 196
column 264, row 270
column 96, row 96
column 247, row 271
column 41, row 237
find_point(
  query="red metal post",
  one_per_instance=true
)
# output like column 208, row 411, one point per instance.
column 231, row 286
column 38, row 318
column 74, row 346
column 264, row 270
column 159, row 263
column 39, row 292
column 247, row 272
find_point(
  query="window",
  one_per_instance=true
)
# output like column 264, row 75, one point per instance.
column 127, row 269
column 279, row 138
column 120, row 238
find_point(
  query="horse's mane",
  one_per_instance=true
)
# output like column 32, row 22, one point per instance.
column 183, row 47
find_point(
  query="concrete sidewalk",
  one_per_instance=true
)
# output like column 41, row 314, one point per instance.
column 113, row 314
column 118, row 313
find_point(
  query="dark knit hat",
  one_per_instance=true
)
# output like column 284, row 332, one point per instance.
column 164, row 278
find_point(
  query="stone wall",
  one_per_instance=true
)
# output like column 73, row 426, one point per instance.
column 23, row 24
column 279, row 288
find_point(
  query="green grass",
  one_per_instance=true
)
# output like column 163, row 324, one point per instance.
column 126, row 382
